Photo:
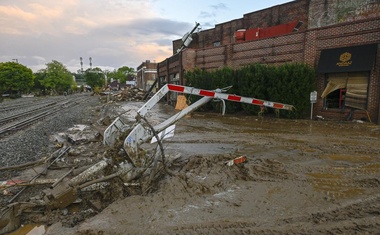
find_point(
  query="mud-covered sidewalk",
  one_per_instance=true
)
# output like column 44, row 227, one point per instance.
column 300, row 177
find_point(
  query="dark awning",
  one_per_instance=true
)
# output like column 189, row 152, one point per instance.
column 347, row 59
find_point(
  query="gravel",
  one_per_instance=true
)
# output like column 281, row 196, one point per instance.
column 33, row 143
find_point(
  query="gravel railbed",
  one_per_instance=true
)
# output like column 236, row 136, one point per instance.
column 27, row 104
column 33, row 143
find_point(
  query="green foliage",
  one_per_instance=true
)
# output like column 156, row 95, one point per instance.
column 96, row 90
column 293, row 85
column 79, row 78
column 15, row 78
column 56, row 77
column 287, row 83
column 121, row 74
column 94, row 77
column 38, row 87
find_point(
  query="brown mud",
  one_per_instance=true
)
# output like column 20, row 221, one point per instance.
column 300, row 177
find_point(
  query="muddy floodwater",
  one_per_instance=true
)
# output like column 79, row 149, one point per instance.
column 300, row 177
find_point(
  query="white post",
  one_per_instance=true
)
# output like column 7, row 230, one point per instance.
column 313, row 99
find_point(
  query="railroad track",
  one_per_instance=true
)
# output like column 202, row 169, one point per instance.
column 23, row 119
column 26, row 104
column 27, row 113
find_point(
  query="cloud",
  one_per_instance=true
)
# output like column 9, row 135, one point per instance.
column 11, row 17
column 45, row 12
column 143, row 27
column 114, row 33
column 206, row 15
column 219, row 7
column 16, row 12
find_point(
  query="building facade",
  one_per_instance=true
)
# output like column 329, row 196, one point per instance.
column 146, row 75
column 340, row 39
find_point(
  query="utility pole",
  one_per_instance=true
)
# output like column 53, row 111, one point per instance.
column 81, row 64
column 186, row 39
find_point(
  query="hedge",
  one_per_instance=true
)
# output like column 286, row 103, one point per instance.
column 288, row 83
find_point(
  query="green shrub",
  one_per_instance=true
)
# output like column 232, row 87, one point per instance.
column 288, row 83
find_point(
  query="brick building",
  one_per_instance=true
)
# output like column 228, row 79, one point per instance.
column 146, row 75
column 340, row 39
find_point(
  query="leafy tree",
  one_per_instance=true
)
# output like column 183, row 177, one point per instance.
column 38, row 87
column 15, row 78
column 126, row 71
column 94, row 77
column 56, row 77
column 79, row 78
column 121, row 74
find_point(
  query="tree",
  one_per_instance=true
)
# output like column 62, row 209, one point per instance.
column 94, row 77
column 126, row 71
column 15, row 78
column 38, row 87
column 56, row 77
column 121, row 74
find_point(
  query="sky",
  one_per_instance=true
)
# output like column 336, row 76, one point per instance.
column 113, row 33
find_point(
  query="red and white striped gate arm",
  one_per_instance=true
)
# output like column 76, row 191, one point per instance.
column 236, row 98
column 140, row 134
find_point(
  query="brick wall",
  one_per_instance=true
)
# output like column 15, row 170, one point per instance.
column 224, row 33
column 304, row 46
column 345, row 35
column 329, row 12
column 143, row 76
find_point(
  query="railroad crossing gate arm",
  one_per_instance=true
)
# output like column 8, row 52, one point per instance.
column 217, row 94
column 140, row 134
column 113, row 131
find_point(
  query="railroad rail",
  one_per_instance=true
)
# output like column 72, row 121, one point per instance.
column 26, row 104
column 27, row 113
column 16, row 121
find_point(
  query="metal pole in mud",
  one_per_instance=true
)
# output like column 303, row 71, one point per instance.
column 311, row 112
column 313, row 99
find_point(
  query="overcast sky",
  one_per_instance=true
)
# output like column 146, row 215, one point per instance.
column 114, row 33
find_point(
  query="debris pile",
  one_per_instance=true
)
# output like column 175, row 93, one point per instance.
column 131, row 94
column 58, row 182
column 127, row 94
column 82, row 175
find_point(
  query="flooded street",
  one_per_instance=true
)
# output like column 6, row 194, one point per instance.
column 296, row 177
column 301, row 176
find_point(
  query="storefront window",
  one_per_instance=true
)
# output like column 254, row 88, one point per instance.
column 346, row 90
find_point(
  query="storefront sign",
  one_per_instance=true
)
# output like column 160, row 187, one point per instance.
column 347, row 59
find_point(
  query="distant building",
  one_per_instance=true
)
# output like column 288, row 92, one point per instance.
column 131, row 80
column 117, row 85
column 131, row 83
column 146, row 75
